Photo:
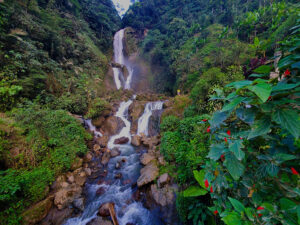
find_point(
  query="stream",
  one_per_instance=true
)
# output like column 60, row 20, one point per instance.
column 120, row 191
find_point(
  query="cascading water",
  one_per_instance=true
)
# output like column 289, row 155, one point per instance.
column 93, row 128
column 120, row 59
column 143, row 122
column 120, row 191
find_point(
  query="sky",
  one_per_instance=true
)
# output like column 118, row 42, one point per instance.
column 122, row 6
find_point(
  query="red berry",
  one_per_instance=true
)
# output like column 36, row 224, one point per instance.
column 205, row 120
column 260, row 215
column 211, row 189
column 228, row 132
column 295, row 172
column 206, row 183
column 260, row 208
column 225, row 139
column 216, row 212
column 222, row 157
column 208, row 130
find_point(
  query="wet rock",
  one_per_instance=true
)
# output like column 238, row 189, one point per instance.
column 118, row 176
column 105, row 158
column 163, row 179
column 70, row 178
column 102, row 141
column 38, row 211
column 123, row 160
column 118, row 165
column 59, row 182
column 146, row 158
column 161, row 160
column 88, row 157
column 115, row 152
column 125, row 182
column 148, row 174
column 100, row 221
column 78, row 203
column 98, row 122
column 135, row 111
column 96, row 147
column 100, row 191
column 122, row 140
column 79, row 176
column 77, row 163
column 65, row 196
column 136, row 140
column 88, row 171
column 56, row 216
column 112, row 125
column 104, row 209
column 164, row 196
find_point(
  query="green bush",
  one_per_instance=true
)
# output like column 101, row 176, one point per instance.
column 97, row 107
column 169, row 123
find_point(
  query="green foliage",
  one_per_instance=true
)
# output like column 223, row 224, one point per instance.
column 97, row 108
column 169, row 123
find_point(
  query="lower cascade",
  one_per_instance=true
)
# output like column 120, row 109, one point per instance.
column 120, row 191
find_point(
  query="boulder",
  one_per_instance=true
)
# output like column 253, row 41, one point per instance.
column 136, row 140
column 96, row 147
column 121, row 140
column 112, row 125
column 65, row 196
column 148, row 174
column 56, row 216
column 88, row 157
column 164, row 196
column 100, row 191
column 161, row 160
column 100, row 221
column 104, row 209
column 98, row 122
column 163, row 179
column 79, row 176
column 38, row 211
column 88, row 171
column 146, row 158
column 77, row 163
column 118, row 176
column 102, row 141
column 115, row 152
column 78, row 203
column 105, row 157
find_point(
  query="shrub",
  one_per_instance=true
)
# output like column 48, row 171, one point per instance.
column 97, row 108
column 169, row 123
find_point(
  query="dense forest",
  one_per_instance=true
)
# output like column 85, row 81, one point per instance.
column 230, row 71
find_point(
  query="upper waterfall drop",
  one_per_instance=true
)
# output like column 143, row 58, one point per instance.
column 120, row 59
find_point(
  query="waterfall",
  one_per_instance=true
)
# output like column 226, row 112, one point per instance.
column 143, row 121
column 93, row 128
column 120, row 59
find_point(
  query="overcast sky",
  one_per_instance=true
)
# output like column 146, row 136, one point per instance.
column 122, row 6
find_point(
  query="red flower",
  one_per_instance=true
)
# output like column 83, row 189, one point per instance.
column 205, row 120
column 287, row 73
column 211, row 189
column 216, row 212
column 228, row 132
column 270, row 98
column 260, row 215
column 222, row 157
column 295, row 172
column 241, row 138
column 206, row 183
column 225, row 139
column 208, row 130
column 260, row 208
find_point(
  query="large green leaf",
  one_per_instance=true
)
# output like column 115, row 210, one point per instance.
column 235, row 147
column 199, row 176
column 194, row 191
column 216, row 151
column 232, row 218
column 246, row 114
column 250, row 213
column 237, row 205
column 218, row 119
column 272, row 169
column 239, row 84
column 286, row 204
column 284, row 86
column 263, row 69
column 233, row 104
column 234, row 166
column 260, row 127
column 262, row 90
column 288, row 119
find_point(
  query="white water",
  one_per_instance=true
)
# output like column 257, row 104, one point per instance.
column 119, row 192
column 120, row 59
column 143, row 122
column 93, row 128
column 122, row 6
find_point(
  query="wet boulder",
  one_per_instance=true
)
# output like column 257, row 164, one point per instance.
column 121, row 140
column 148, row 174
column 112, row 125
column 105, row 157
column 100, row 191
column 102, row 141
column 104, row 209
column 115, row 152
column 146, row 158
column 65, row 196
column 136, row 140
column 163, row 179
